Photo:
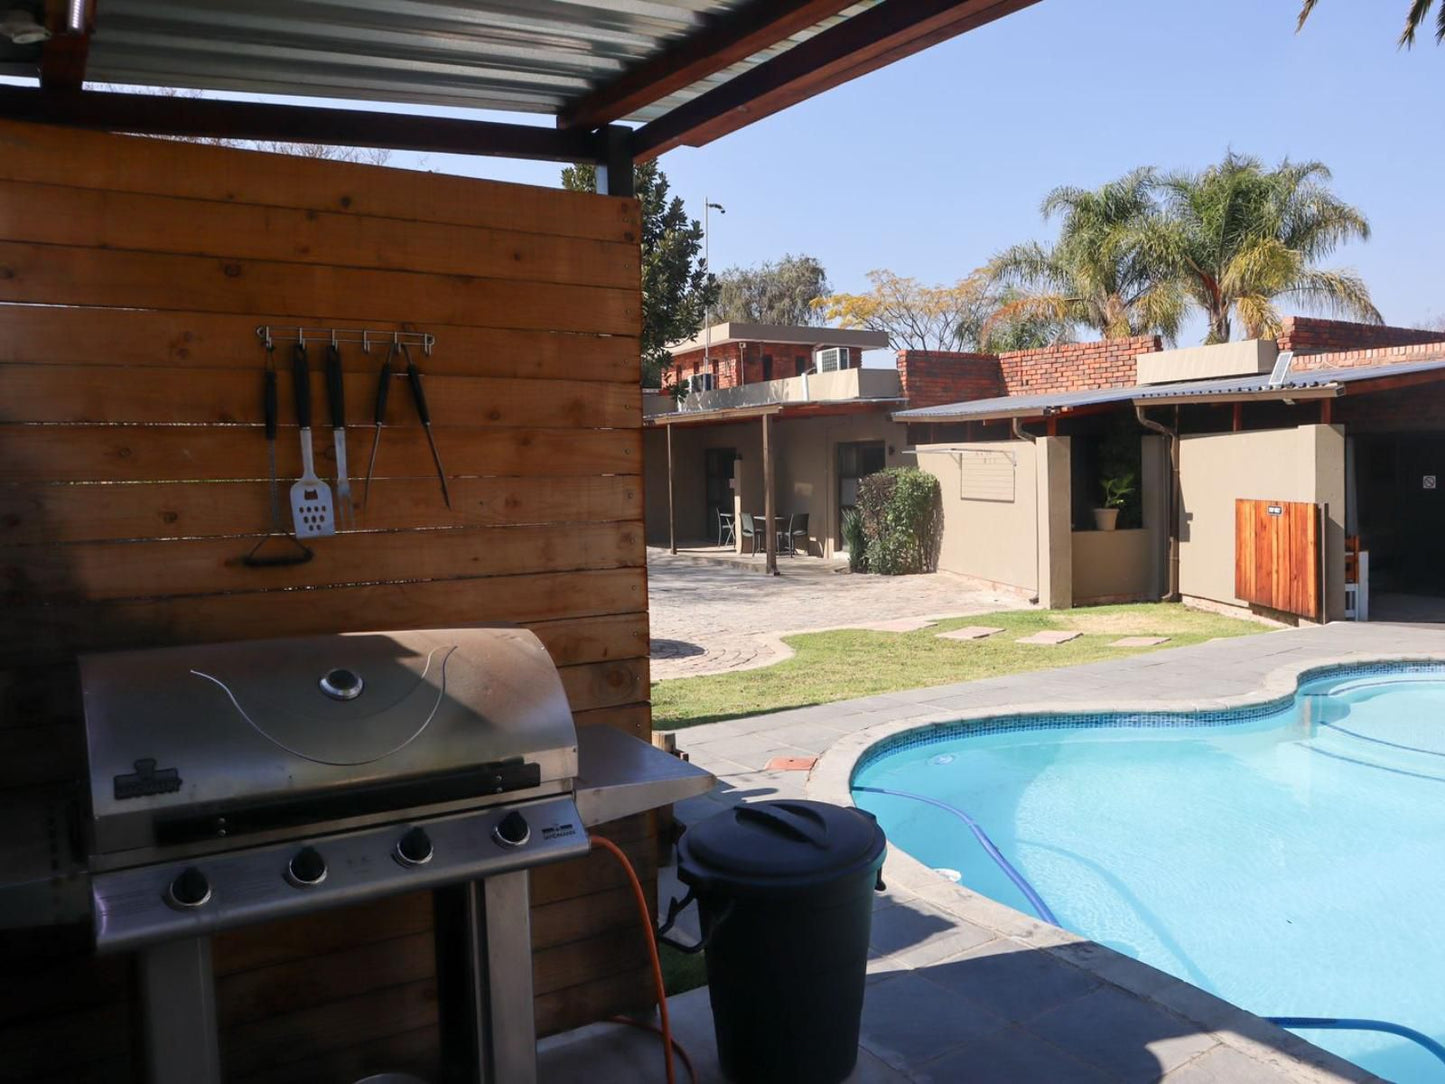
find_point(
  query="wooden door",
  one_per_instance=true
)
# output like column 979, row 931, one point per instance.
column 1277, row 555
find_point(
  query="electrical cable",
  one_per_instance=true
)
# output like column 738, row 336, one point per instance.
column 646, row 916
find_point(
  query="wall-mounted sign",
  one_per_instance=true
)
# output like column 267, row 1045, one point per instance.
column 1428, row 482
column 1275, row 510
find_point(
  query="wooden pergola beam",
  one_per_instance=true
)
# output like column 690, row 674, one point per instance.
column 870, row 40
column 744, row 32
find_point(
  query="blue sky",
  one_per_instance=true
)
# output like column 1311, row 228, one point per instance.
column 930, row 165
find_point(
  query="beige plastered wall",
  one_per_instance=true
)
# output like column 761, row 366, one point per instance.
column 998, row 538
column 1129, row 565
column 1306, row 463
column 804, row 472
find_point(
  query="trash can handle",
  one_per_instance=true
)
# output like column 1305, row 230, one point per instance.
column 675, row 907
column 802, row 828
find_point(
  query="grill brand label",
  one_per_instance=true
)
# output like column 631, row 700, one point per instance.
column 146, row 780
column 559, row 831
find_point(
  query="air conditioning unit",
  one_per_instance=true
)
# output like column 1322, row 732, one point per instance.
column 700, row 382
column 831, row 359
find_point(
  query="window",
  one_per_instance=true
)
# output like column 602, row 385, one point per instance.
column 767, row 366
column 800, row 364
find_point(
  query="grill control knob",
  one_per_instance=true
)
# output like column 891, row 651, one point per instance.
column 512, row 830
column 306, row 867
column 414, row 848
column 190, row 889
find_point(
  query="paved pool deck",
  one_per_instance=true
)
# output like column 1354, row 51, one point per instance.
column 962, row 988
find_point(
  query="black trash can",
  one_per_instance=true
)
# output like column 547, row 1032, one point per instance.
column 786, row 896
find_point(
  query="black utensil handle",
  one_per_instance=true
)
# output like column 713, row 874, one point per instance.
column 268, row 402
column 413, row 376
column 301, row 384
column 383, row 389
column 335, row 390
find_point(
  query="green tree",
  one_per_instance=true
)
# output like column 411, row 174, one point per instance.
column 676, row 287
column 1414, row 18
column 916, row 316
column 1099, row 274
column 772, row 293
column 1239, row 237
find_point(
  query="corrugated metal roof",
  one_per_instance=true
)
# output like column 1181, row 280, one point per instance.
column 531, row 56
column 1010, row 406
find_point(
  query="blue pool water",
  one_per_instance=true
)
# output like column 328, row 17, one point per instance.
column 1290, row 859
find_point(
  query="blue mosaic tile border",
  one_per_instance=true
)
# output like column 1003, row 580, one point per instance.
column 1006, row 724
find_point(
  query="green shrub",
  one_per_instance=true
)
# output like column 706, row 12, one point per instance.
column 856, row 541
column 901, row 509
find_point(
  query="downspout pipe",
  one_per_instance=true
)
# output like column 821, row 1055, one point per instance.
column 1020, row 433
column 1175, row 497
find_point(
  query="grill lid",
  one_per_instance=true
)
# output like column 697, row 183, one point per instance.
column 216, row 740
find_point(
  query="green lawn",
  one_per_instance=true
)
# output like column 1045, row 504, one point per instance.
column 842, row 665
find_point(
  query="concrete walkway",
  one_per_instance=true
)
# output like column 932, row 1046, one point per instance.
column 710, row 618
column 963, row 988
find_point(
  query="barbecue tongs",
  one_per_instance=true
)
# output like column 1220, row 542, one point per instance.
column 418, row 398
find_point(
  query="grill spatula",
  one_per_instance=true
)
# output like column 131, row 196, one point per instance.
column 312, row 512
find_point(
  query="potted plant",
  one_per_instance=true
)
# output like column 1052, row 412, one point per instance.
column 1116, row 494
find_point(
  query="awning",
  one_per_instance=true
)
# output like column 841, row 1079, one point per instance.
column 1301, row 384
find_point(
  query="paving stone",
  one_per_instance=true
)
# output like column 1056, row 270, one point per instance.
column 1224, row 1065
column 1011, row 979
column 1050, row 637
column 901, row 624
column 970, row 632
column 905, row 1022
column 916, row 933
column 1116, row 1032
column 790, row 764
column 1008, row 1057
column 1140, row 641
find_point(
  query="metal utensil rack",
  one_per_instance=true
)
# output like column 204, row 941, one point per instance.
column 271, row 334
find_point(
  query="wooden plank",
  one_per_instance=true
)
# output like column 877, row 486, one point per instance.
column 106, row 394
column 64, row 215
column 272, row 943
column 611, row 950
column 137, row 453
column 635, row 719
column 594, row 999
column 151, row 569
column 53, row 274
column 49, row 514
column 605, row 684
column 1277, row 556
column 44, row 153
column 260, row 1046
column 575, row 919
column 55, row 633
column 45, row 335
column 595, row 873
column 323, row 976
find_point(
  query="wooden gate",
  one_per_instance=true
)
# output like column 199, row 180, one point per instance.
column 1277, row 555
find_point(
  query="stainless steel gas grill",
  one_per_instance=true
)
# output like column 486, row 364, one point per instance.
column 238, row 783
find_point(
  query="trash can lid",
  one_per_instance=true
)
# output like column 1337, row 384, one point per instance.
column 779, row 845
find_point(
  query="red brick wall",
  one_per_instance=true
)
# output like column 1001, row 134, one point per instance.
column 1386, row 355
column 1417, row 409
column 933, row 377
column 725, row 359
column 1305, row 334
column 1108, row 363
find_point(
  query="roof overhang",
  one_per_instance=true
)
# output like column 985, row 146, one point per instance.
column 686, row 72
column 781, row 411
column 737, row 331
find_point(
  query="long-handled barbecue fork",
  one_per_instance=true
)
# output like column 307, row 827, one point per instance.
column 418, row 398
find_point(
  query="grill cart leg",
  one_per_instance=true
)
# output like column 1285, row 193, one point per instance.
column 179, row 994
column 484, row 981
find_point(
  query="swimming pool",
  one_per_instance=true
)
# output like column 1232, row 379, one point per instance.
column 1288, row 857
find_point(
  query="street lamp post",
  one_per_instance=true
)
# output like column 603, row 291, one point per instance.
column 707, row 259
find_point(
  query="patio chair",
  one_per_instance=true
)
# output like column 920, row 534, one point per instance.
column 724, row 528
column 797, row 528
column 749, row 530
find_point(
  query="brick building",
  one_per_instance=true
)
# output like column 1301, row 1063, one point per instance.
column 734, row 354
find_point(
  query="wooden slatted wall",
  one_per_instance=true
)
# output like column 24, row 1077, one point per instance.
column 133, row 477
column 1277, row 555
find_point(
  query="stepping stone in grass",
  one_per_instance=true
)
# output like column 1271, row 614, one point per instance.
column 902, row 624
column 969, row 632
column 1051, row 637
column 1140, row 641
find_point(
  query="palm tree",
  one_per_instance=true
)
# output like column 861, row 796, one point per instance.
column 1099, row 273
column 1239, row 237
column 1414, row 17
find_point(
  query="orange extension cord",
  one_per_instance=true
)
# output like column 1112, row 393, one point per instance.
column 646, row 916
